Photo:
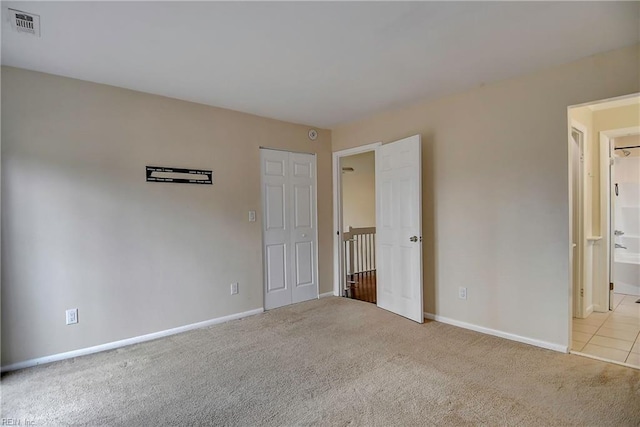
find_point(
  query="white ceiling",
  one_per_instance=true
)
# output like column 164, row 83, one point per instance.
column 317, row 63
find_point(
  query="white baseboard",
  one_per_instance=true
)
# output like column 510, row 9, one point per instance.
column 496, row 333
column 129, row 341
column 623, row 288
column 589, row 311
column 326, row 294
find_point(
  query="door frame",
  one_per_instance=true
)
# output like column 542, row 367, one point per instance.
column 604, row 228
column 602, row 292
column 315, row 218
column 337, row 209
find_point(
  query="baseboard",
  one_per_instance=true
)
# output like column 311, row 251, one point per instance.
column 588, row 311
column 496, row 333
column 326, row 294
column 129, row 341
column 623, row 288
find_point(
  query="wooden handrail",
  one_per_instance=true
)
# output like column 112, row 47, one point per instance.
column 357, row 231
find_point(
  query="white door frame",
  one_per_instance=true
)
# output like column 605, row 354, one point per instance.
column 338, row 274
column 604, row 225
column 601, row 294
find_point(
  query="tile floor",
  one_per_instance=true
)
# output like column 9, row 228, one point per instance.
column 614, row 335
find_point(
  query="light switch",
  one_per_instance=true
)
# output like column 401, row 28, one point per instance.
column 252, row 216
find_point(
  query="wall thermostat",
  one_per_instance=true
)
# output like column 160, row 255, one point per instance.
column 313, row 134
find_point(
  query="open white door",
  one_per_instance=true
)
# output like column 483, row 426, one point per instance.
column 399, row 227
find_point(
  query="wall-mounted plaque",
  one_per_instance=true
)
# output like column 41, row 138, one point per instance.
column 179, row 175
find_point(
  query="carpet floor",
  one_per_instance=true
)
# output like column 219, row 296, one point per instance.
column 332, row 361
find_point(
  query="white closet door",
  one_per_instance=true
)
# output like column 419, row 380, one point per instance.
column 302, row 169
column 399, row 228
column 289, row 227
column 275, row 228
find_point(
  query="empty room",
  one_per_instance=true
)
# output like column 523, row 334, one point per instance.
column 320, row 213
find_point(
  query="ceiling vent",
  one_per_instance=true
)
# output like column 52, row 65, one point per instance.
column 25, row 22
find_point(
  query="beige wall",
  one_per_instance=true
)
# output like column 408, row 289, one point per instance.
column 495, row 182
column 615, row 118
column 358, row 191
column 629, row 141
column 81, row 227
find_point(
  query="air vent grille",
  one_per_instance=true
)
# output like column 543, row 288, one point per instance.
column 25, row 22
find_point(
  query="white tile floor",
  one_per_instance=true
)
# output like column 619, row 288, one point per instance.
column 614, row 335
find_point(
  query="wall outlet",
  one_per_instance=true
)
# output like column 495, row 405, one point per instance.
column 462, row 293
column 234, row 288
column 252, row 216
column 72, row 316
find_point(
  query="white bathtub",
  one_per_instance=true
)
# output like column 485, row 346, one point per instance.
column 626, row 266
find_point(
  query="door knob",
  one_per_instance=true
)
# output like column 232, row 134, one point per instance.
column 413, row 238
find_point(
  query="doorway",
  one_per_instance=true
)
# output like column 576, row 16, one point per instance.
column 355, row 221
column 605, row 297
column 358, row 211
column 397, row 241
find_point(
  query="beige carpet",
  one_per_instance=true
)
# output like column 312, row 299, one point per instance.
column 329, row 362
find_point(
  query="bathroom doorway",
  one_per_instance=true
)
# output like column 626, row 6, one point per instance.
column 605, row 322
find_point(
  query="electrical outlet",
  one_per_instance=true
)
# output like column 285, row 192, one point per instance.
column 72, row 316
column 234, row 288
column 462, row 293
column 252, row 216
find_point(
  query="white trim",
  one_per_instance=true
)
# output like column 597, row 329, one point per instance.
column 604, row 101
column 129, row 341
column 315, row 218
column 578, row 257
column 601, row 294
column 496, row 333
column 624, row 102
column 326, row 294
column 589, row 310
column 337, row 209
column 616, row 133
column 602, row 359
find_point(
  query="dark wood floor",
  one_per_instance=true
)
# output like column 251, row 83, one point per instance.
column 364, row 288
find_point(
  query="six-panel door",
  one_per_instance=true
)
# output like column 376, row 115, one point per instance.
column 399, row 228
column 289, row 227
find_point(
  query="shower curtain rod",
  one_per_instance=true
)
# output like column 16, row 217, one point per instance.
column 631, row 146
